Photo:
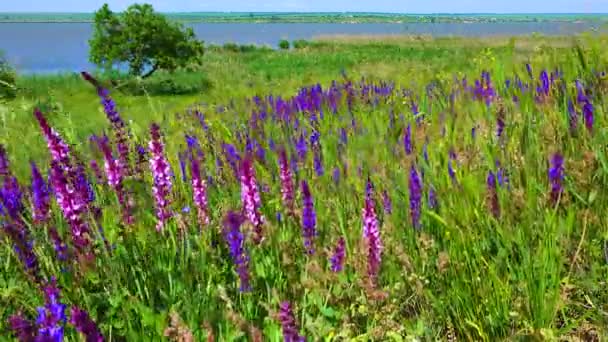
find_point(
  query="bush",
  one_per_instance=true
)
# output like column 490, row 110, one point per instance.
column 165, row 84
column 231, row 47
column 8, row 80
column 284, row 44
column 300, row 44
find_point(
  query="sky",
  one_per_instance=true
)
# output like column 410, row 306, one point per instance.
column 402, row 6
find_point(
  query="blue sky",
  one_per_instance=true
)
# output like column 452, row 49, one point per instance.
column 403, row 6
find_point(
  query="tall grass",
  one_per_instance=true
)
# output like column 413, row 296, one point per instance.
column 538, row 270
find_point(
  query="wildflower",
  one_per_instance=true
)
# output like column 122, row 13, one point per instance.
column 288, row 323
column 337, row 258
column 23, row 329
column 83, row 323
column 141, row 160
column 371, row 233
column 232, row 156
column 451, row 170
column 301, row 148
column 96, row 171
column 318, row 163
column 4, row 169
column 387, row 203
column 432, row 198
column 236, row 244
column 556, row 176
column 407, row 140
column 572, row 117
column 309, row 219
column 60, row 152
column 51, row 317
column 493, row 195
column 40, row 196
column 181, row 157
column 199, row 189
column 287, row 186
column 336, row 175
column 114, row 176
column 73, row 209
column 500, row 122
column 250, row 196
column 118, row 125
column 415, row 186
column 588, row 116
column 161, row 171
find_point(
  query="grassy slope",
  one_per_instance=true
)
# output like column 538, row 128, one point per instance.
column 503, row 279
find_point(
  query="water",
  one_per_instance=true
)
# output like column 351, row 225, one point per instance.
column 63, row 47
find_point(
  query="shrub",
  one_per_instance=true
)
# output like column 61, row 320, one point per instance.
column 284, row 44
column 231, row 47
column 8, row 78
column 300, row 44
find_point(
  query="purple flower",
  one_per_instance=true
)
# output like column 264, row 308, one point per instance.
column 387, row 203
column 161, row 171
column 545, row 84
column 181, row 156
column 23, row 328
column 572, row 117
column 309, row 219
column 338, row 256
column 236, row 244
column 232, row 156
column 60, row 152
column 318, row 163
column 141, row 161
column 588, row 116
column 336, row 175
column 83, row 323
column 432, row 199
column 114, row 176
column 199, row 189
column 4, row 169
column 301, row 148
column 415, row 186
column 118, row 125
column 73, row 208
column 96, row 171
column 287, row 186
column 407, row 140
column 288, row 324
column 371, row 232
column 493, row 195
column 51, row 317
column 556, row 177
column 250, row 197
column 40, row 196
column 500, row 122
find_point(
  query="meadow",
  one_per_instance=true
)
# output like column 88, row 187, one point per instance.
column 356, row 188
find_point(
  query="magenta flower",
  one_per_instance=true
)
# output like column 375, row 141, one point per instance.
column 22, row 327
column 289, row 324
column 161, row 172
column 250, row 196
column 287, row 192
column 83, row 323
column 114, row 176
column 371, row 232
column 96, row 171
column 199, row 189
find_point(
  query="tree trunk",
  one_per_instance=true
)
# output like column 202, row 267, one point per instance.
column 149, row 73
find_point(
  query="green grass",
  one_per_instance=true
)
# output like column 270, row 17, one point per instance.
column 538, row 272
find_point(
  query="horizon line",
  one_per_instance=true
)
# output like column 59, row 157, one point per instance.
column 328, row 12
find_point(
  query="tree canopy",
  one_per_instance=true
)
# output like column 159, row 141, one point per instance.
column 142, row 39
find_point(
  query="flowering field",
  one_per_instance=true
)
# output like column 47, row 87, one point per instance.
column 461, row 208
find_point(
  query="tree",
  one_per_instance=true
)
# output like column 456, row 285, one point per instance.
column 8, row 78
column 142, row 39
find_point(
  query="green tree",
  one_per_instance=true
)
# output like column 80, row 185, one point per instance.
column 8, row 77
column 143, row 39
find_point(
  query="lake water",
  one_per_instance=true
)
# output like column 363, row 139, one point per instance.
column 60, row 47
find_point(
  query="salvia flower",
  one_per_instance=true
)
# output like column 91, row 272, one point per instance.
column 51, row 317
column 318, row 163
column 161, row 172
column 415, row 186
column 407, row 140
column 337, row 258
column 556, row 177
column 588, row 116
column 336, row 174
column 73, row 208
column 40, row 196
column 181, row 157
column 493, row 195
column 60, row 152
column 309, row 219
column 114, row 175
column 371, row 233
column 500, row 122
column 199, row 189
column 236, row 243
column 83, row 323
column 141, row 161
column 572, row 117
column 288, row 323
column 22, row 328
column 432, row 198
column 250, row 197
column 96, row 171
column 287, row 186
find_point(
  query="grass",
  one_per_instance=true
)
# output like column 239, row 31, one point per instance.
column 537, row 271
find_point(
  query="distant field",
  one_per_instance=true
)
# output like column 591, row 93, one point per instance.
column 326, row 17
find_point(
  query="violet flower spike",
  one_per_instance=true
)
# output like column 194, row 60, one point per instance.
column 236, row 243
column 199, row 189
column 556, row 177
column 407, row 140
column 415, row 187
column 22, row 328
column 41, row 198
column 289, row 324
column 250, row 197
column 588, row 116
column 83, row 323
column 309, row 219
column 387, row 203
column 493, row 202
column 572, row 117
column 114, row 176
column 371, row 233
column 338, row 256
column 161, row 172
column 51, row 317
